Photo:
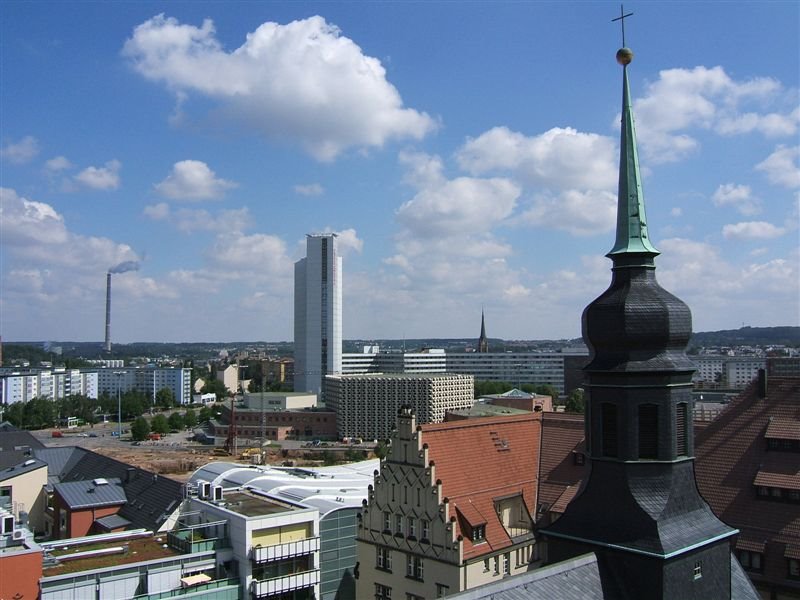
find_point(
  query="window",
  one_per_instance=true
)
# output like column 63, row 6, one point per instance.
column 648, row 431
column 496, row 565
column 411, row 529
column 578, row 458
column 383, row 558
column 414, row 568
column 382, row 592
column 387, row 526
column 398, row 525
column 442, row 590
column 507, row 564
column 413, row 597
column 681, row 436
column 479, row 533
column 486, row 563
column 698, row 569
column 608, row 413
column 794, row 568
column 425, row 529
column 750, row 561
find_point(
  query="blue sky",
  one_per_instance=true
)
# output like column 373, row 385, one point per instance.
column 465, row 152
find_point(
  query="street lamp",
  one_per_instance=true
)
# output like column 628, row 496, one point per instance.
column 119, row 374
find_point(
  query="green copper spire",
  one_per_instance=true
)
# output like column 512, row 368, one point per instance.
column 632, row 236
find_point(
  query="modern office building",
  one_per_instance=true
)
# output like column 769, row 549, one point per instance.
column 317, row 314
column 336, row 493
column 366, row 405
column 538, row 368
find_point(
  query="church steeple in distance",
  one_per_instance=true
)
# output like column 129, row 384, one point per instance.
column 639, row 509
column 483, row 341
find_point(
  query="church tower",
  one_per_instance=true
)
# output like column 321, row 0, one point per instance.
column 639, row 509
column 483, row 341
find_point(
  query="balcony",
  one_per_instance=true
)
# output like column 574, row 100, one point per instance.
column 264, row 554
column 284, row 584
column 200, row 537
column 216, row 590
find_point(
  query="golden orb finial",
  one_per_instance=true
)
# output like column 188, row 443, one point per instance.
column 624, row 56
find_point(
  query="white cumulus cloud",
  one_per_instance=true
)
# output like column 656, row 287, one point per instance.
column 26, row 222
column 705, row 98
column 301, row 81
column 100, row 178
column 193, row 180
column 559, row 158
column 739, row 196
column 57, row 164
column 782, row 167
column 20, row 152
column 752, row 230
column 579, row 213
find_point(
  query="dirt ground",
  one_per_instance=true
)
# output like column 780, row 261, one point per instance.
column 175, row 455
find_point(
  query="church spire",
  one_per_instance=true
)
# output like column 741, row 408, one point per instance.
column 632, row 236
column 483, row 341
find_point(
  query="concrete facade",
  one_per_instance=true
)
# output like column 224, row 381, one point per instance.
column 317, row 314
column 366, row 405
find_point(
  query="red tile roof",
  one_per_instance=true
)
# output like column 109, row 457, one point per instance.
column 783, row 429
column 731, row 452
column 562, row 438
column 481, row 460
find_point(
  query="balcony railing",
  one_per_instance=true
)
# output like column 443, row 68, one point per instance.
column 284, row 584
column 233, row 584
column 188, row 542
column 288, row 550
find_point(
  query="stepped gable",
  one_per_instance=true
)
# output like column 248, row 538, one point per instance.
column 481, row 460
column 734, row 459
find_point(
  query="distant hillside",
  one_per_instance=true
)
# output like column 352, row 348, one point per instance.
column 748, row 336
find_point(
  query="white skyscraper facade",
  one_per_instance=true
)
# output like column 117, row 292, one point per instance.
column 317, row 314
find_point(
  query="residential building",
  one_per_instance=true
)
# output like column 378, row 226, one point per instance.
column 452, row 508
column 136, row 498
column 229, row 376
column 728, row 372
column 366, row 405
column 147, row 380
column 23, row 385
column 274, row 543
column 336, row 492
column 22, row 492
column 20, row 559
column 748, row 469
column 317, row 314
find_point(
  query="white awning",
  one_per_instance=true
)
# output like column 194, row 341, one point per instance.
column 191, row 580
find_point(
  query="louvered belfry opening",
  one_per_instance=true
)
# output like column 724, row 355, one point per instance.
column 648, row 431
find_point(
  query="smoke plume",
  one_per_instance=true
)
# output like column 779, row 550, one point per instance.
column 124, row 267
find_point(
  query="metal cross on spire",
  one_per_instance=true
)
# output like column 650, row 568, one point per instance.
column 621, row 18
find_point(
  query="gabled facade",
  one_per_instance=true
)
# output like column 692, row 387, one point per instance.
column 452, row 507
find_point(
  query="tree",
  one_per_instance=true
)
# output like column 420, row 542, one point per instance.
column 176, row 421
column 165, row 398
column 575, row 402
column 215, row 386
column 159, row 424
column 546, row 389
column 381, row 450
column 140, row 429
column 190, row 418
column 206, row 414
column 133, row 404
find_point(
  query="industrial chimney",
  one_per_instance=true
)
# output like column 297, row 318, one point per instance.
column 108, row 312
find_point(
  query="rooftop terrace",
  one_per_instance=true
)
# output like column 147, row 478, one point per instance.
column 72, row 558
column 253, row 505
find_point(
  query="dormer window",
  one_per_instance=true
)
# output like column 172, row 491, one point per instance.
column 783, row 435
column 479, row 533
